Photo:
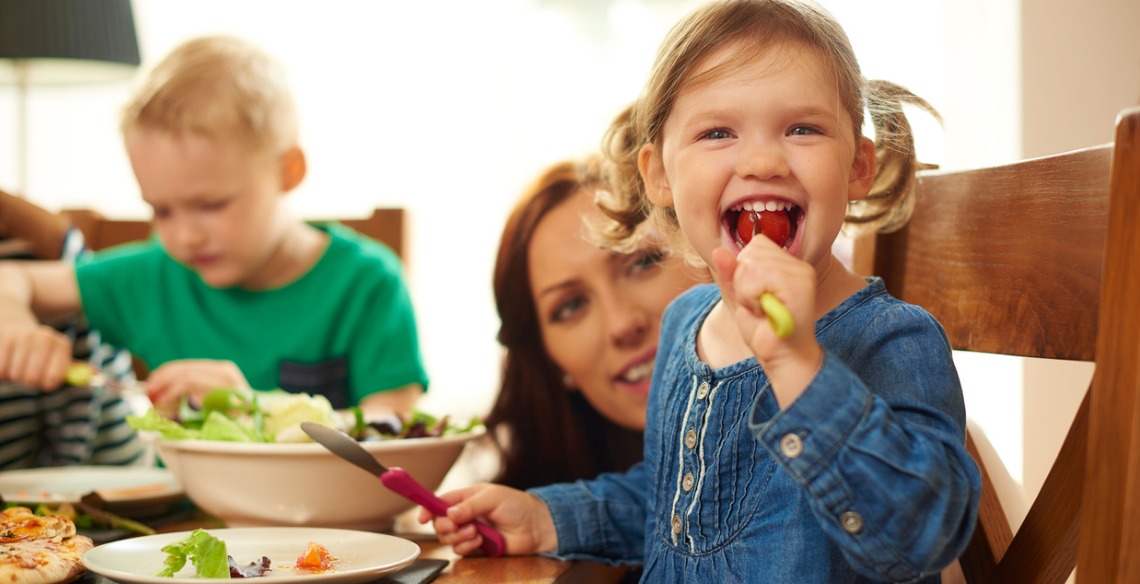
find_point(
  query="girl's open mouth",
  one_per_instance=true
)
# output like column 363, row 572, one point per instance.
column 778, row 220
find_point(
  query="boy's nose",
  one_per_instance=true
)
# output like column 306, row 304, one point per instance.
column 187, row 235
column 762, row 159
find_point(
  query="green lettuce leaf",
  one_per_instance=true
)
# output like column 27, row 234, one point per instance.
column 206, row 552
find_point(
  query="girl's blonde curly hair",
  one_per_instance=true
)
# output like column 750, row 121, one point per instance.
column 750, row 27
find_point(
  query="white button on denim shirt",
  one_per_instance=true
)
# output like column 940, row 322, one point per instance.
column 864, row 478
column 791, row 445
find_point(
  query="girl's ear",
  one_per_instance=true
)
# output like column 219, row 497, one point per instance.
column 653, row 176
column 862, row 170
column 293, row 168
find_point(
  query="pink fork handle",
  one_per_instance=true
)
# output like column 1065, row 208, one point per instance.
column 402, row 483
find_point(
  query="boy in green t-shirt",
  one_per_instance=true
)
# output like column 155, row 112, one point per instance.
column 234, row 291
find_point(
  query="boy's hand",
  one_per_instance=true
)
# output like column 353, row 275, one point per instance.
column 522, row 518
column 35, row 355
column 167, row 384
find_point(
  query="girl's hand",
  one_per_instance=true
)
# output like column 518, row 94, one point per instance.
column 166, row 385
column 35, row 355
column 522, row 519
column 761, row 267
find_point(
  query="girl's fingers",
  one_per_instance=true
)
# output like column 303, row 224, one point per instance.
column 724, row 264
column 470, row 547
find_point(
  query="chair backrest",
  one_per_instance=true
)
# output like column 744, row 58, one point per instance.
column 1038, row 259
column 385, row 225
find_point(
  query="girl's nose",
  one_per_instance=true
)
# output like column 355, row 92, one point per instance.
column 762, row 159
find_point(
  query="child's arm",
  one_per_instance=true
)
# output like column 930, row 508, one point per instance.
column 521, row 517
column 43, row 230
column 401, row 401
column 877, row 441
column 32, row 353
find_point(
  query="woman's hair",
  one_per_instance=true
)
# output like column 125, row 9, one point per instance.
column 750, row 27
column 218, row 87
column 545, row 432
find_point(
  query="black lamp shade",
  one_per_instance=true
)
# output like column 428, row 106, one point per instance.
column 67, row 41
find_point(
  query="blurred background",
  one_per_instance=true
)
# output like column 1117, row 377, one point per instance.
column 449, row 108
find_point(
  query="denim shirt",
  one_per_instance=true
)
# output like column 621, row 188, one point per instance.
column 864, row 478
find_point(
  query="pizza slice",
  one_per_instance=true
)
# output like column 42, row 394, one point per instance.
column 39, row 550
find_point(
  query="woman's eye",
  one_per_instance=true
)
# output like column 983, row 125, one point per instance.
column 717, row 134
column 645, row 260
column 568, row 309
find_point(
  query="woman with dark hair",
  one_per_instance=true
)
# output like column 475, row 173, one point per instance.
column 579, row 326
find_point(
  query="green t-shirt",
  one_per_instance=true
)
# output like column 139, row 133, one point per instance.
column 346, row 329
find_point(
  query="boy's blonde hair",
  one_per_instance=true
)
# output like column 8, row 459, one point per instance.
column 218, row 87
column 751, row 26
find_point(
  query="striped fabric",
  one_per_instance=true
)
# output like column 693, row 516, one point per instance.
column 72, row 425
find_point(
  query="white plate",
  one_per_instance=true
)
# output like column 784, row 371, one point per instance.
column 67, row 484
column 362, row 556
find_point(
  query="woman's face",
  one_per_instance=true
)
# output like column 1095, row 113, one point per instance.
column 600, row 311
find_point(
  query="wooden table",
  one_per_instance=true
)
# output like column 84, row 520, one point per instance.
column 516, row 568
column 459, row 570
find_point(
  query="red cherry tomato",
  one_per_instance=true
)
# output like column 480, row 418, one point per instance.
column 745, row 224
column 774, row 224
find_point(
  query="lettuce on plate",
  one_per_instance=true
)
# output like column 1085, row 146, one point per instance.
column 206, row 552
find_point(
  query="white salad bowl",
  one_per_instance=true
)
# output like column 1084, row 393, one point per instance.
column 303, row 484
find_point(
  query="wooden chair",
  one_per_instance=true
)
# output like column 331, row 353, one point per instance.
column 385, row 225
column 1041, row 258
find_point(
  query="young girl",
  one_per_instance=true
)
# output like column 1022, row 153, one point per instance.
column 834, row 454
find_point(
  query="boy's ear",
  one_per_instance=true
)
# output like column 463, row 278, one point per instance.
column 653, row 176
column 293, row 168
column 862, row 170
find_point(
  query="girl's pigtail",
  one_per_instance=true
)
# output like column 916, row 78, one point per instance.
column 621, row 199
column 888, row 205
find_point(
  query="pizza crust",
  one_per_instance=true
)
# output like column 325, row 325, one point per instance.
column 39, row 550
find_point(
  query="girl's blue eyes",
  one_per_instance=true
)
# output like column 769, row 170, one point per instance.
column 717, row 134
column 723, row 134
